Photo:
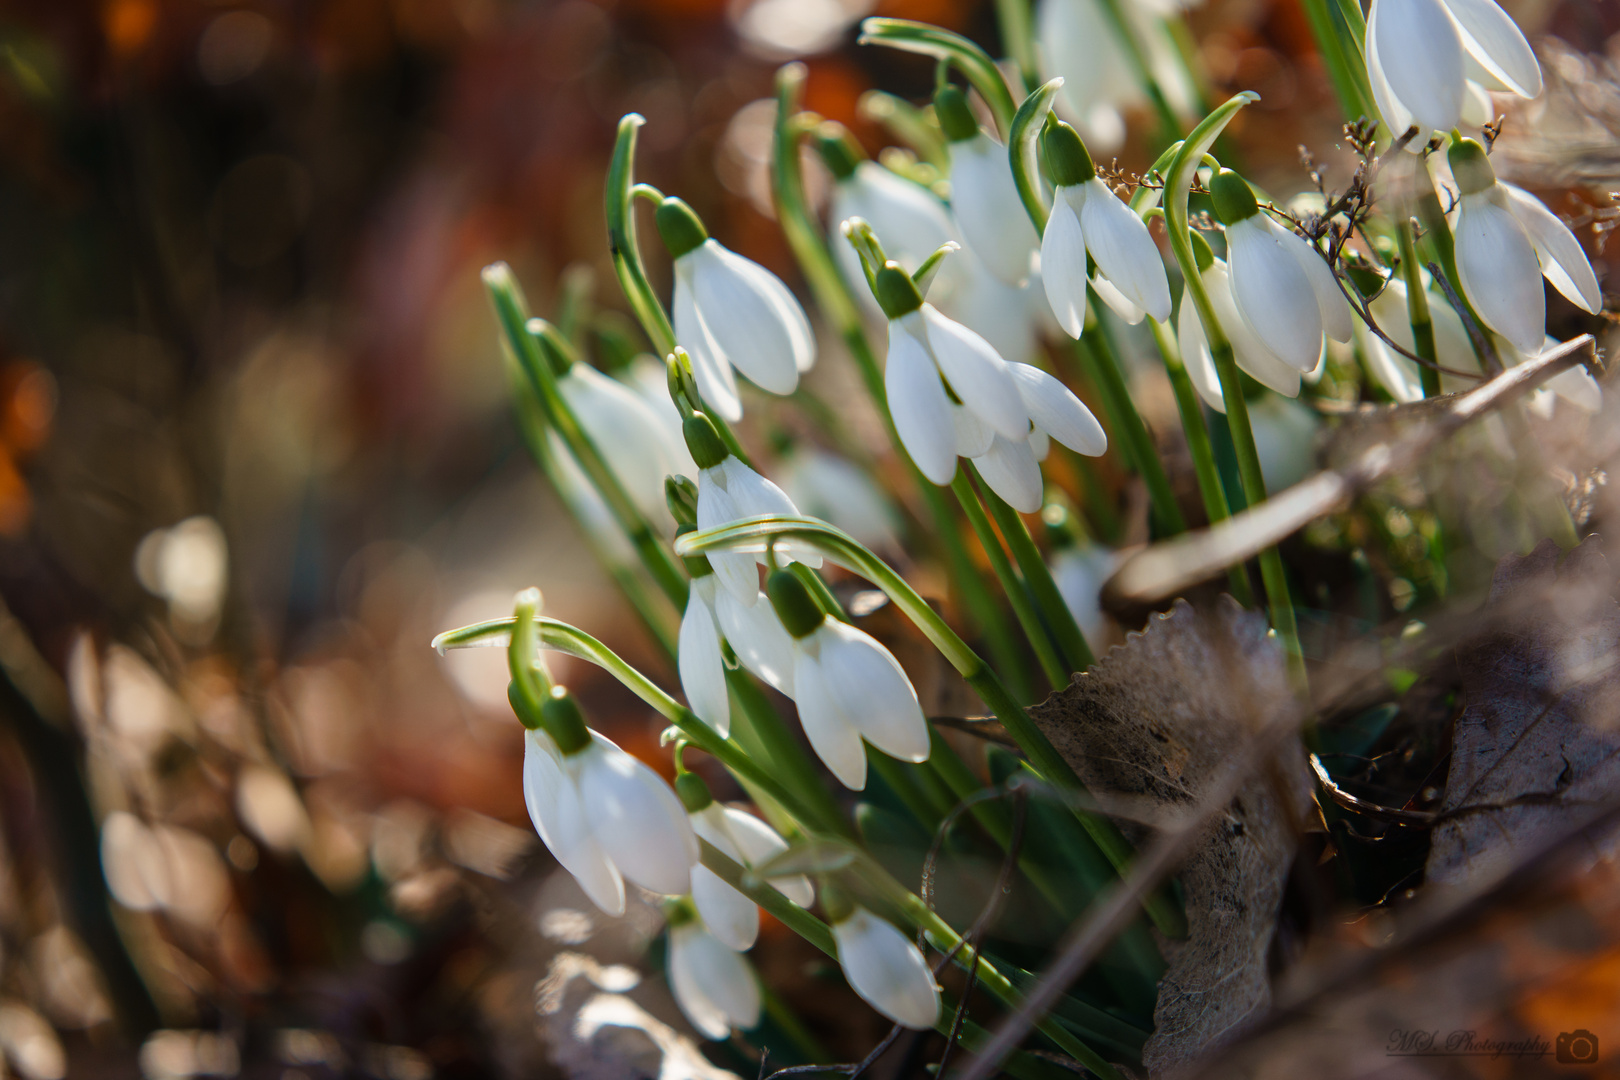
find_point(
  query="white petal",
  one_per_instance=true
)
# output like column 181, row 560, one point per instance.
column 1117, row 301
column 833, row 736
column 1085, row 49
column 1124, row 250
column 1335, row 309
column 887, row 970
column 1495, row 41
column 1577, row 387
column 1040, row 443
column 829, row 487
column 1478, row 108
column 760, row 328
column 713, row 985
column 628, row 433
column 1500, row 273
column 1272, row 292
column 1013, row 473
column 1195, row 354
column 973, row 436
column 976, row 372
column 1562, row 260
column 560, row 819
column 998, row 312
column 710, row 824
column 1396, row 115
column 758, row 638
column 1422, row 58
column 737, row 572
column 988, row 209
column 1079, row 573
column 637, row 819
column 730, row 916
column 922, row 412
column 702, row 669
column 759, row 843
column 1395, row 373
column 709, row 367
column 909, row 221
column 1251, row 353
column 1284, row 440
column 1054, row 409
column 1063, row 266
column 755, row 496
column 871, row 688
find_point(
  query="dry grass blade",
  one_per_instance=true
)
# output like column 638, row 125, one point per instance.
column 1165, row 569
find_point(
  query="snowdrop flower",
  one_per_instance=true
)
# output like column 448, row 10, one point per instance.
column 882, row 965
column 848, row 688
column 605, row 816
column 1398, row 375
column 713, row 985
column 1284, row 439
column 1432, row 62
column 753, row 630
column 730, row 916
column 1012, row 467
column 911, row 220
column 983, row 194
column 826, row 486
column 1282, row 288
column 728, row 491
column 731, row 312
column 1575, row 386
column 1087, row 218
column 1506, row 242
column 1248, row 350
column 1009, row 317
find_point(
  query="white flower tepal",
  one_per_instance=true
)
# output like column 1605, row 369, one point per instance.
column 1432, row 62
column 886, row 969
column 730, row 312
column 983, row 193
column 911, row 220
column 713, row 985
column 1250, row 353
column 753, row 631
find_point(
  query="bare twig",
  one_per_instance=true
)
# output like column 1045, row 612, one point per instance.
column 1476, row 334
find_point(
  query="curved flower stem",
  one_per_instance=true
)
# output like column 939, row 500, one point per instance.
column 1026, row 125
column 1045, row 648
column 1071, row 643
column 1099, row 358
column 626, row 253
column 1177, row 183
column 840, row 547
column 1216, row 507
column 840, row 307
column 525, row 345
column 801, row 793
column 1417, row 311
column 971, row 60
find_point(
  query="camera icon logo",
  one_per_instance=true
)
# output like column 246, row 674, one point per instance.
column 1578, row 1047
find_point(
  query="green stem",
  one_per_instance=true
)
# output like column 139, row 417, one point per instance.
column 1018, row 37
column 1099, row 357
column 1071, row 643
column 1043, row 756
column 622, row 245
column 840, row 307
column 1339, row 45
column 1045, row 649
column 1417, row 311
column 971, row 60
column 1216, row 507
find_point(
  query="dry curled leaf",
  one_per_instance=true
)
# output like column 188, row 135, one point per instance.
column 1149, row 729
column 1537, row 747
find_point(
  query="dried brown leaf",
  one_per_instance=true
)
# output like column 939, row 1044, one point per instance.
column 1537, row 746
column 1149, row 729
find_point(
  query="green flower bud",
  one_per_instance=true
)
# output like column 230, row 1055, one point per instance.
column 678, row 224
column 703, row 441
column 896, row 293
column 564, row 722
column 697, row 566
column 793, row 603
column 1470, row 167
column 680, row 495
column 955, row 118
column 1067, row 158
column 1233, row 198
column 838, row 150
column 693, row 791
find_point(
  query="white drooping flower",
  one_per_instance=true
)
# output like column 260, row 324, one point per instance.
column 848, row 688
column 827, row 486
column 1433, row 62
column 1251, row 354
column 730, row 916
column 604, row 815
column 1080, row 43
column 1506, row 241
column 1079, row 569
column 1394, row 372
column 731, row 312
column 1087, row 218
column 729, row 491
column 753, row 630
column 886, row 969
column 1009, row 317
column 713, row 985
column 983, row 194
column 1012, row 467
column 1281, row 287
column 1284, row 440
column 912, row 221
